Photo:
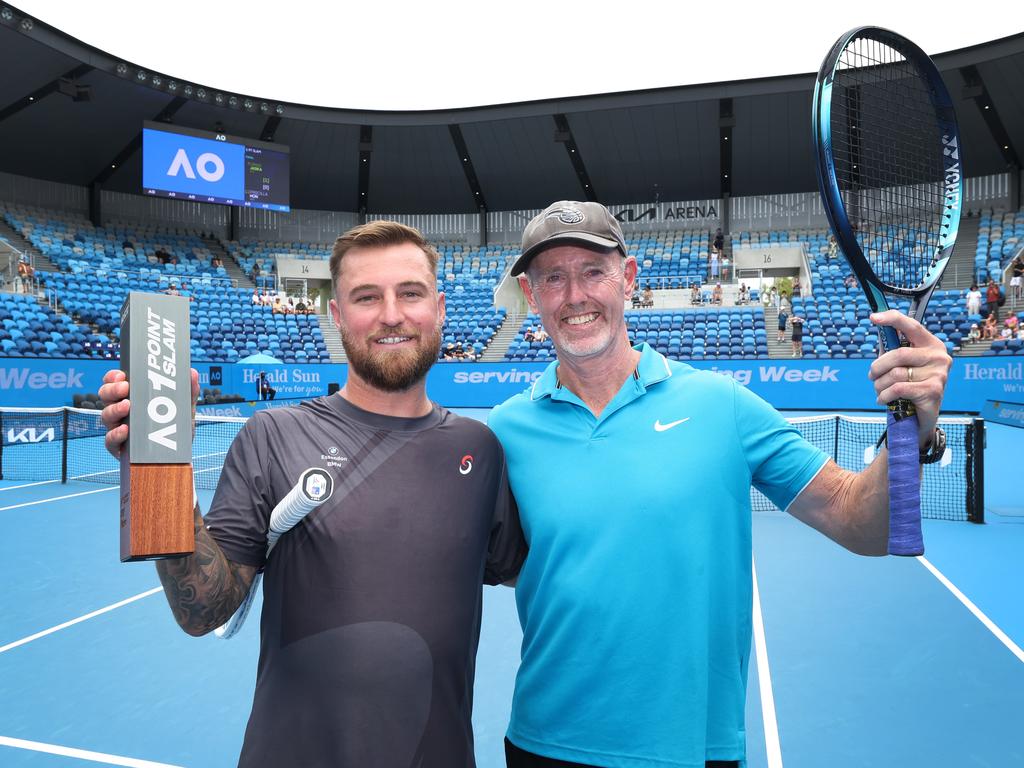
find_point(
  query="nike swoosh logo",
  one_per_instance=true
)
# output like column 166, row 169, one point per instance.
column 659, row 427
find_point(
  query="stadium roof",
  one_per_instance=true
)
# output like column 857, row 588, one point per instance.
column 70, row 113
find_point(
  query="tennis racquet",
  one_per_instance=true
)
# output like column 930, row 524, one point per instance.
column 315, row 486
column 891, row 180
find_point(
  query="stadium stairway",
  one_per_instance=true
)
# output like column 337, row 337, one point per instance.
column 42, row 263
column 332, row 339
column 959, row 272
column 230, row 265
column 771, row 324
column 495, row 352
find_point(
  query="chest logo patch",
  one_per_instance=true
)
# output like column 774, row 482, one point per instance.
column 466, row 466
column 659, row 427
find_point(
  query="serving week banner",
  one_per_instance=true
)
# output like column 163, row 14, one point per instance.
column 786, row 384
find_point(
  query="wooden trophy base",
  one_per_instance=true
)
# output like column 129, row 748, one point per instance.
column 157, row 515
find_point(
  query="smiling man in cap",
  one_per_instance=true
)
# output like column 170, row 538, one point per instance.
column 632, row 473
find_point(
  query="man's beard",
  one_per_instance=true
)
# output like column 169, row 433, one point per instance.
column 394, row 370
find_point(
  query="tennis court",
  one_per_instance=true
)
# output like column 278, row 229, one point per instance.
column 857, row 662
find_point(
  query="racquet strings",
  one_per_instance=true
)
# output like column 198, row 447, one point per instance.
column 888, row 156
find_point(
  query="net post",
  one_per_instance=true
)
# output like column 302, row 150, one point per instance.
column 976, row 510
column 64, row 447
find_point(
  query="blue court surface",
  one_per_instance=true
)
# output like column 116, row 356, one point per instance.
column 861, row 661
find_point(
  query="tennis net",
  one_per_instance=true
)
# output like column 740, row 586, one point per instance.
column 67, row 444
column 951, row 489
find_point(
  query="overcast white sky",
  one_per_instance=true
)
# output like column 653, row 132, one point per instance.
column 398, row 54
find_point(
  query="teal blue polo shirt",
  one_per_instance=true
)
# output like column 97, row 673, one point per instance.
column 635, row 598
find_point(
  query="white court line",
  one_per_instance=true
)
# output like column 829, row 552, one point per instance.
column 81, row 754
column 989, row 624
column 86, row 617
column 772, row 746
column 28, row 485
column 58, row 498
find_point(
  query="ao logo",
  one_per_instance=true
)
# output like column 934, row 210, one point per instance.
column 208, row 165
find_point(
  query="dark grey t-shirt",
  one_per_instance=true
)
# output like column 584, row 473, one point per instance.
column 371, row 611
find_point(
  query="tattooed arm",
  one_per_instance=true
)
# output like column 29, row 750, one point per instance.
column 205, row 588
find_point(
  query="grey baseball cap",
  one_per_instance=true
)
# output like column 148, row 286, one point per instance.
column 590, row 225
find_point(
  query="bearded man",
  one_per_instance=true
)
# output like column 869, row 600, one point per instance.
column 371, row 611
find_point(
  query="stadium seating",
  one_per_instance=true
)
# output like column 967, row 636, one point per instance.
column 75, row 245
column 734, row 332
column 98, row 266
column 1000, row 237
column 30, row 329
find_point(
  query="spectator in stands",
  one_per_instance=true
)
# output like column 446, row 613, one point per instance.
column 713, row 274
column 256, row 270
column 796, row 288
column 744, row 295
column 530, row 334
column 784, row 304
column 775, row 297
column 992, row 296
column 973, row 335
column 725, row 268
column 974, row 300
column 797, row 324
column 290, row 306
column 719, row 243
column 300, row 307
column 256, row 298
column 833, row 247
column 278, row 306
column 1016, row 276
column 26, row 274
column 783, row 319
column 128, row 245
column 695, row 294
column 172, row 290
column 990, row 327
column 163, row 256
column 268, row 297
column 216, row 262
column 850, row 281
column 1020, row 331
column 648, row 297
column 627, row 616
column 542, row 335
column 635, row 299
column 1011, row 325
column 716, row 294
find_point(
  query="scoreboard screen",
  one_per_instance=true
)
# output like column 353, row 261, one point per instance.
column 199, row 166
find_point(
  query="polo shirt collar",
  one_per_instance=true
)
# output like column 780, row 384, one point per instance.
column 652, row 368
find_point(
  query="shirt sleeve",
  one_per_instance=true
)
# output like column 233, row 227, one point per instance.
column 239, row 517
column 781, row 461
column 506, row 549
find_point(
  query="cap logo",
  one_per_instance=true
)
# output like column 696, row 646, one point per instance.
column 567, row 215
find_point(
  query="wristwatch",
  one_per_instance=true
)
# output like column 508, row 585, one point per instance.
column 934, row 452
column 928, row 455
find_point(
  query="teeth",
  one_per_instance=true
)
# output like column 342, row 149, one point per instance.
column 393, row 340
column 581, row 319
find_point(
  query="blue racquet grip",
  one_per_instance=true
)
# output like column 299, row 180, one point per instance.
column 904, row 487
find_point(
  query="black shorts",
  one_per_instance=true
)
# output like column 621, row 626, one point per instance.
column 520, row 758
